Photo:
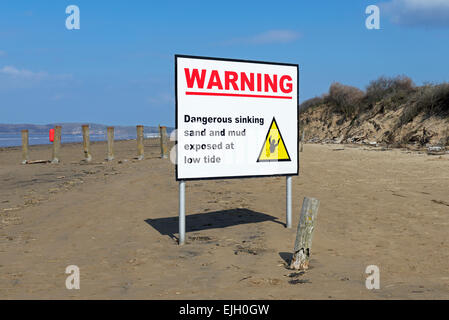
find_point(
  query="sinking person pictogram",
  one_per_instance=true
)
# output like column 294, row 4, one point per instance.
column 273, row 148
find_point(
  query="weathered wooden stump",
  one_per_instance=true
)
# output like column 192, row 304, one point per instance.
column 306, row 226
column 25, row 156
column 110, row 143
column 86, row 143
column 164, row 139
column 140, row 152
column 56, row 145
column 302, row 142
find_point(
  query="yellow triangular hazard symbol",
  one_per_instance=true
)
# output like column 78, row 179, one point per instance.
column 274, row 148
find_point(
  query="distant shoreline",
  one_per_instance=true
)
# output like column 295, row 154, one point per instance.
column 10, row 134
column 15, row 140
column 14, row 147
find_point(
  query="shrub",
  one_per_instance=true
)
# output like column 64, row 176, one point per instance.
column 387, row 87
column 434, row 99
column 428, row 100
column 344, row 99
column 311, row 103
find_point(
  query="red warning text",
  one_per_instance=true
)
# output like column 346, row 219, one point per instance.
column 238, row 84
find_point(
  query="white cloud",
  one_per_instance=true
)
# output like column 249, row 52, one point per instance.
column 12, row 78
column 267, row 37
column 16, row 73
column 2, row 53
column 275, row 36
column 22, row 73
column 428, row 13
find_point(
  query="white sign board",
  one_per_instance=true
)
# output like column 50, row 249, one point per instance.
column 235, row 118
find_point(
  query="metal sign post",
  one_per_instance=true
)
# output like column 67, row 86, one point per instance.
column 182, row 208
column 289, row 202
column 182, row 212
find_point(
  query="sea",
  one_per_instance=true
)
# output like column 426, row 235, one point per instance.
column 14, row 140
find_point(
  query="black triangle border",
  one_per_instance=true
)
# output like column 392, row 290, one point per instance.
column 283, row 141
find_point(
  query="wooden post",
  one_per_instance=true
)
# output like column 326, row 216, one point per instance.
column 56, row 144
column 302, row 142
column 25, row 156
column 86, row 143
column 304, row 234
column 110, row 143
column 164, row 147
column 140, row 154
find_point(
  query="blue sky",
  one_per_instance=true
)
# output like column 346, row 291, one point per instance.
column 118, row 69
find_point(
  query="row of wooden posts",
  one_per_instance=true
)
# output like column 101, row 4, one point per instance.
column 86, row 144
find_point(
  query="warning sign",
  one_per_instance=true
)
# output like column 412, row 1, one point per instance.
column 274, row 148
column 230, row 115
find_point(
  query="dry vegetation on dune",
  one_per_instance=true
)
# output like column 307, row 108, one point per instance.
column 391, row 110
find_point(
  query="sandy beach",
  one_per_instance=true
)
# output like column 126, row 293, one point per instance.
column 117, row 221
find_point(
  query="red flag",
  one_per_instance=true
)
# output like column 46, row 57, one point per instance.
column 52, row 135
